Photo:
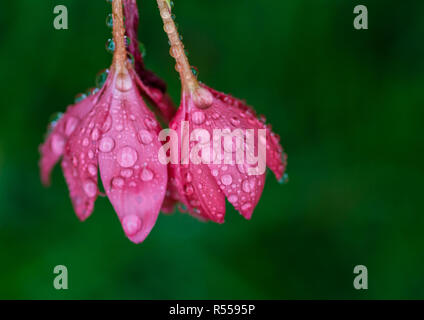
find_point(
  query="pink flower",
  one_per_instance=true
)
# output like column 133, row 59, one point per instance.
column 112, row 131
column 203, row 187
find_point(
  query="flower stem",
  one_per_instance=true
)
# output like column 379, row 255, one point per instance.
column 189, row 81
column 120, row 55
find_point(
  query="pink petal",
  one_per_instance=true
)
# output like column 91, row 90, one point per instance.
column 241, row 189
column 79, row 162
column 54, row 147
column 134, row 179
column 276, row 159
column 196, row 186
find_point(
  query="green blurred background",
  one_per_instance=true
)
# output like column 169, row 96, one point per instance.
column 348, row 105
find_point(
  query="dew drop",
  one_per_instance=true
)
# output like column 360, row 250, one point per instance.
column 234, row 121
column 246, row 207
column 168, row 27
column 175, row 52
column 127, row 157
column 188, row 189
column 123, row 82
column 150, row 123
column 57, row 144
column 90, row 188
column 80, row 97
column 118, row 182
column 106, row 144
column 284, row 179
column 146, row 175
column 110, row 46
column 131, row 225
column 95, row 135
column 233, row 198
column 109, row 20
column 198, row 117
column 92, row 169
column 188, row 177
column 127, row 173
column 202, row 98
column 226, row 179
column 101, row 78
column 107, row 124
column 70, row 125
column 54, row 119
column 145, row 137
column 246, row 186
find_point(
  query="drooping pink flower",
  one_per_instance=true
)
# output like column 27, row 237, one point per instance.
column 203, row 187
column 112, row 131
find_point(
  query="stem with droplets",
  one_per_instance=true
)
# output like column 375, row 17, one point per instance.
column 120, row 55
column 189, row 81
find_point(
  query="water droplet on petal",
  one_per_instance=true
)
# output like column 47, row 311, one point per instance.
column 107, row 124
column 127, row 173
column 95, row 135
column 145, row 136
column 101, row 78
column 70, row 125
column 106, row 144
column 92, row 169
column 246, row 186
column 226, row 179
column 188, row 189
column 85, row 142
column 233, row 198
column 80, row 97
column 123, row 82
column 194, row 71
column 109, row 20
column 57, row 144
column 90, row 188
column 198, row 117
column 246, row 207
column 146, row 175
column 131, row 224
column 234, row 121
column 127, row 157
column 150, row 123
column 202, row 98
column 188, row 177
column 118, row 182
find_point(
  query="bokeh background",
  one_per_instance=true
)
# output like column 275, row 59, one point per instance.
column 348, row 105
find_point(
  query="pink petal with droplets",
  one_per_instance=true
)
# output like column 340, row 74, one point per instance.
column 54, row 147
column 134, row 179
column 80, row 162
column 276, row 159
